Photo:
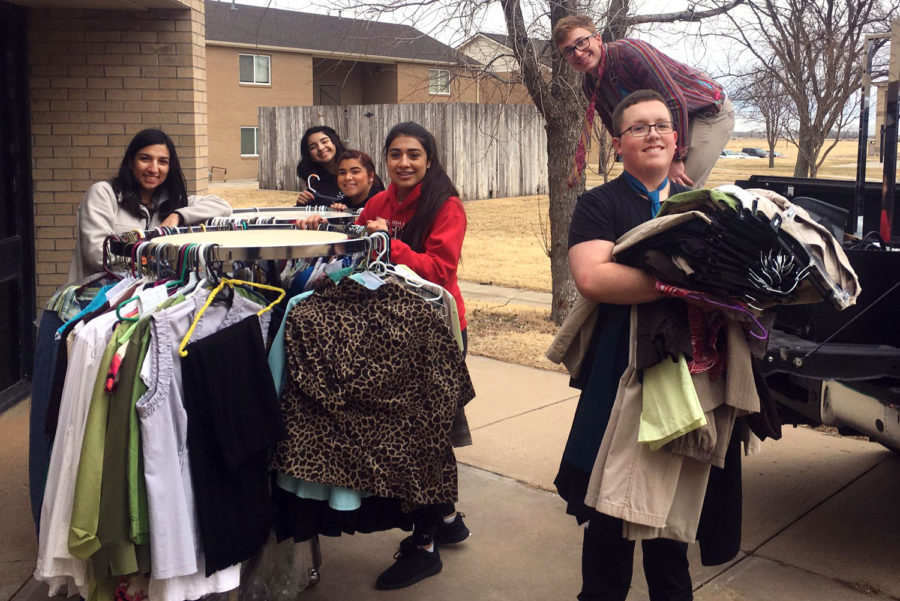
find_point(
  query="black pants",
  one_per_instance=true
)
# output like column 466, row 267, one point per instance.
column 607, row 560
column 426, row 519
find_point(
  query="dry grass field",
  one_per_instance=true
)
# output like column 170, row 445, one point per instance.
column 504, row 246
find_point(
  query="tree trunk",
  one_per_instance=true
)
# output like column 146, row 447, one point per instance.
column 805, row 150
column 562, row 137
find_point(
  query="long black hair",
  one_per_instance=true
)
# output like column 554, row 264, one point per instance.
column 436, row 185
column 307, row 165
column 125, row 184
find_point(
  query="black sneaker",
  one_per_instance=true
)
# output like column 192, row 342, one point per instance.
column 446, row 534
column 412, row 565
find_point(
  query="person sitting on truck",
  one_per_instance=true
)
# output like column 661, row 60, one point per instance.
column 703, row 116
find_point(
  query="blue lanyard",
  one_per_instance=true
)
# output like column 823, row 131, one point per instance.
column 640, row 188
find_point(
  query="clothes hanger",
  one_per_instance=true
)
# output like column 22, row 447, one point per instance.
column 212, row 295
column 318, row 196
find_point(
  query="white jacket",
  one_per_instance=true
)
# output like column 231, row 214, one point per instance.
column 101, row 214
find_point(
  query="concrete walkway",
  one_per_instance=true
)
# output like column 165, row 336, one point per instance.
column 820, row 512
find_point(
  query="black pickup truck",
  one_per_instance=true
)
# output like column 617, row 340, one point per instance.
column 841, row 368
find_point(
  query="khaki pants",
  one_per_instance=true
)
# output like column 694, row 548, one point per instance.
column 708, row 133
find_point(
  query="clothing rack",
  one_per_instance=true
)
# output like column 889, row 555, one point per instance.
column 249, row 243
column 256, row 215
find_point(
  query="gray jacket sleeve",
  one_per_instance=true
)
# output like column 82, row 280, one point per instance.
column 201, row 208
column 97, row 218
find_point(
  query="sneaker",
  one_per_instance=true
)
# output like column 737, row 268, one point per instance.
column 446, row 534
column 412, row 565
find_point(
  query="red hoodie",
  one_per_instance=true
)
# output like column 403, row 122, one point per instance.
column 443, row 246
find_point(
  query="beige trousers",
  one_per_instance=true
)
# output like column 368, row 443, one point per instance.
column 708, row 133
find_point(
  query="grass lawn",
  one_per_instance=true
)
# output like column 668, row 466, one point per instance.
column 504, row 245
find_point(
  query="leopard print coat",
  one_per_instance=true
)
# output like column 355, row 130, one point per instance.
column 374, row 380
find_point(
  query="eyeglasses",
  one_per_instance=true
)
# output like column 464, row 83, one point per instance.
column 580, row 44
column 643, row 130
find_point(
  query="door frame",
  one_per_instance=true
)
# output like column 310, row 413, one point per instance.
column 16, row 185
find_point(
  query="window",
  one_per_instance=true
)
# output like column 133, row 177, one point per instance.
column 439, row 82
column 254, row 68
column 249, row 142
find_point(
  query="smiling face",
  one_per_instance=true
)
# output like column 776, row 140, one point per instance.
column 354, row 180
column 646, row 158
column 150, row 168
column 587, row 59
column 321, row 148
column 407, row 163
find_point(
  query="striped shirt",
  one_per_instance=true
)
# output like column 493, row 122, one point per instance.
column 632, row 65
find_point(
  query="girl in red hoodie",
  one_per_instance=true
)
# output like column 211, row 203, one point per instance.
column 422, row 212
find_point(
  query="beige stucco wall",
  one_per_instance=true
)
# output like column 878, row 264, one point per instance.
column 412, row 85
column 96, row 78
column 498, row 91
column 488, row 52
column 234, row 105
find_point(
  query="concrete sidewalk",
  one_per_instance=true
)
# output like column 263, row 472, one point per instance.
column 820, row 512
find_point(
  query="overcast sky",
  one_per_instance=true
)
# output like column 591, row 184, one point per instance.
column 686, row 42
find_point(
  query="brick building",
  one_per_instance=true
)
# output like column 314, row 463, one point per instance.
column 80, row 78
column 270, row 57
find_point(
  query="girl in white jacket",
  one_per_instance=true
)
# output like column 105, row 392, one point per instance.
column 149, row 191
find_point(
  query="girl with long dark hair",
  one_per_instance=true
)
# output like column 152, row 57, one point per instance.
column 320, row 148
column 422, row 212
column 148, row 191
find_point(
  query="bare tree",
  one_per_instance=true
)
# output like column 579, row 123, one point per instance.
column 557, row 98
column 813, row 50
column 846, row 116
column 762, row 97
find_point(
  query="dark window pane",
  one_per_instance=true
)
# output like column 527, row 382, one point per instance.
column 246, row 66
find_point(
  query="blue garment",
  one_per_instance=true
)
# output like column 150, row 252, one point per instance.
column 276, row 351
column 95, row 304
column 640, row 188
column 39, row 444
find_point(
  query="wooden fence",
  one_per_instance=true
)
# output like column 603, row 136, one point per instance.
column 489, row 150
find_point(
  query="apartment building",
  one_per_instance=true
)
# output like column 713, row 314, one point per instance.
column 271, row 57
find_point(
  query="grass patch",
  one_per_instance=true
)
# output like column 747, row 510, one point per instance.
column 511, row 333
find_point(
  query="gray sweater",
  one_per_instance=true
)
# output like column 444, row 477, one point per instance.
column 101, row 214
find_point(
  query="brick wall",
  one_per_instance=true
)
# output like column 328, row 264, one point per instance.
column 96, row 79
column 236, row 105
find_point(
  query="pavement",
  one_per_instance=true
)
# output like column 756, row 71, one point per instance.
column 820, row 518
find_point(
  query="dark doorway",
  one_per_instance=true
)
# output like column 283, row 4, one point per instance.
column 329, row 94
column 17, row 294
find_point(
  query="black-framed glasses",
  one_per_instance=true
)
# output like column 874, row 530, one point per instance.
column 642, row 130
column 580, row 44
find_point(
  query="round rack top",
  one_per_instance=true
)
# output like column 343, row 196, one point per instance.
column 288, row 213
column 268, row 243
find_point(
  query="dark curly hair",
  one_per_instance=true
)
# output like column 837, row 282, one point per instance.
column 307, row 165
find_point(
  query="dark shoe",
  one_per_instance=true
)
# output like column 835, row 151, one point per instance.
column 446, row 534
column 412, row 565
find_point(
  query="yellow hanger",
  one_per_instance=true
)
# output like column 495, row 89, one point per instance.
column 212, row 295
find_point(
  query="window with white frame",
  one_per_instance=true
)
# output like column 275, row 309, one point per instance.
column 254, row 68
column 249, row 142
column 439, row 82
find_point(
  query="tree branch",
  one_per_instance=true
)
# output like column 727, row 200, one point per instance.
column 685, row 15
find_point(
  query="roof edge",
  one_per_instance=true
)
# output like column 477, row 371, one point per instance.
column 324, row 54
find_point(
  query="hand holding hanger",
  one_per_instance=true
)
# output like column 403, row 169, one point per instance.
column 311, row 196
